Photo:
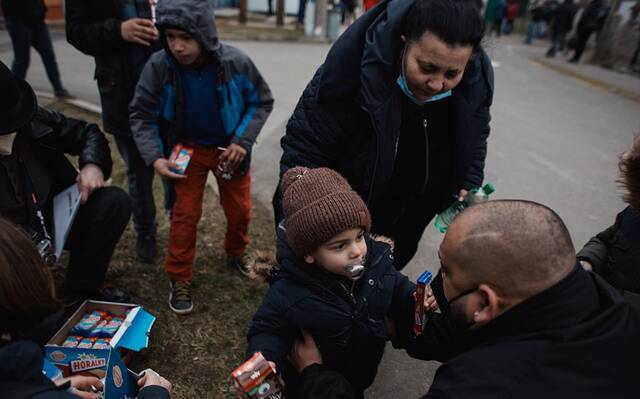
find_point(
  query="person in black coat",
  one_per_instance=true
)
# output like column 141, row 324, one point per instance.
column 517, row 320
column 592, row 20
column 334, row 281
column 34, row 169
column 615, row 252
column 121, row 36
column 29, row 316
column 24, row 20
column 400, row 107
column 562, row 23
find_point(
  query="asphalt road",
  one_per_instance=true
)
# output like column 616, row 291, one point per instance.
column 554, row 140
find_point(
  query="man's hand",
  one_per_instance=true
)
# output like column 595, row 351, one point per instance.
column 232, row 157
column 463, row 193
column 150, row 377
column 586, row 265
column 162, row 167
column 139, row 30
column 82, row 385
column 430, row 303
column 89, row 179
column 305, row 353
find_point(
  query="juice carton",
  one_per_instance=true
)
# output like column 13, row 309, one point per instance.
column 257, row 378
column 421, row 290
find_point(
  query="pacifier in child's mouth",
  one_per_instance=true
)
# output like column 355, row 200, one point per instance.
column 355, row 271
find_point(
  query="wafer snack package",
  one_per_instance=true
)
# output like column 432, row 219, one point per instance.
column 181, row 155
column 421, row 292
column 88, row 323
column 257, row 378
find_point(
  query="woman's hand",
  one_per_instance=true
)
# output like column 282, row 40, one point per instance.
column 83, row 386
column 150, row 377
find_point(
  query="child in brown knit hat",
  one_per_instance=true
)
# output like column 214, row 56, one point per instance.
column 334, row 281
column 615, row 252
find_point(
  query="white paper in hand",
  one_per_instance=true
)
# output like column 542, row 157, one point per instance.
column 65, row 207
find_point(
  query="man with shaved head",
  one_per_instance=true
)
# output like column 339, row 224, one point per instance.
column 519, row 318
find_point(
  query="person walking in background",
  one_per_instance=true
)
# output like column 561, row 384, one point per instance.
column 24, row 20
column 512, row 14
column 498, row 16
column 592, row 20
column 121, row 36
column 561, row 24
column 210, row 97
column 536, row 12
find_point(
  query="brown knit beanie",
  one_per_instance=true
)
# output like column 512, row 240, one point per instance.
column 317, row 205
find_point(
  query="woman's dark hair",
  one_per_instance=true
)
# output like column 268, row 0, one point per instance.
column 630, row 174
column 27, row 293
column 456, row 22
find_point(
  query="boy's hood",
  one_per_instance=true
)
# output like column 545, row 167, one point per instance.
column 194, row 17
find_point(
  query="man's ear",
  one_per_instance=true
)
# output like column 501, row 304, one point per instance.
column 490, row 308
column 403, row 38
column 309, row 259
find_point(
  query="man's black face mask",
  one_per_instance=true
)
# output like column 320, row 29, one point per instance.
column 437, row 286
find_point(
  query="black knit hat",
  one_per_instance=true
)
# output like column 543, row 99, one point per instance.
column 18, row 102
column 317, row 205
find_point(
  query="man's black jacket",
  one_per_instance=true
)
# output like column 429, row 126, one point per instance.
column 349, row 116
column 40, row 150
column 93, row 27
column 577, row 339
column 30, row 12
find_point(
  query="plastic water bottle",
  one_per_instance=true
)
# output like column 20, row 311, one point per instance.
column 475, row 195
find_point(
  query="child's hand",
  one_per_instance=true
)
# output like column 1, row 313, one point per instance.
column 232, row 157
column 162, row 167
column 586, row 265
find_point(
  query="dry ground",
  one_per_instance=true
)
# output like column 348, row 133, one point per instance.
column 195, row 352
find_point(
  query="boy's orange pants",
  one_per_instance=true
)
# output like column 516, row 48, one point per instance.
column 235, row 198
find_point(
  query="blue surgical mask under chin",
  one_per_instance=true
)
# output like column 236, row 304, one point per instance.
column 402, row 82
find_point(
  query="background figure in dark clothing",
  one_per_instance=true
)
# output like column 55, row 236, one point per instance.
column 302, row 9
column 499, row 14
column 561, row 24
column 33, row 169
column 24, row 20
column 592, row 20
column 512, row 14
column 615, row 253
column 121, row 36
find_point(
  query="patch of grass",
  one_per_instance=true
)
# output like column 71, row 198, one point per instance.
column 196, row 352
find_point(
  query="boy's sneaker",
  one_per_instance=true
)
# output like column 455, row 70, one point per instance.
column 146, row 251
column 241, row 263
column 180, row 297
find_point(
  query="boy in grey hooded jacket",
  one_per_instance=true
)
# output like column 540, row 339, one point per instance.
column 210, row 97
